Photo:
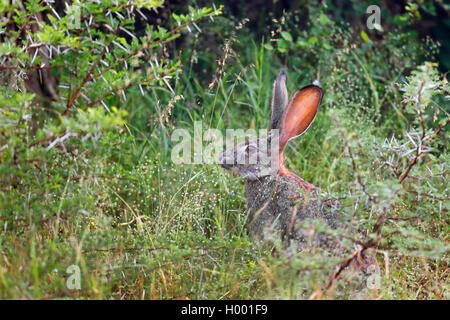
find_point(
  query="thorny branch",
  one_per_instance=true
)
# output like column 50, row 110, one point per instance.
column 374, row 243
column 420, row 153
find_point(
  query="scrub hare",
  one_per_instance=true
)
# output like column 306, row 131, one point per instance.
column 273, row 202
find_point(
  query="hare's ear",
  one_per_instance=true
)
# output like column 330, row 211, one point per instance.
column 300, row 113
column 279, row 100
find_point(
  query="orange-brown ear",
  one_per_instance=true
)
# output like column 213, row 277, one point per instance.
column 300, row 113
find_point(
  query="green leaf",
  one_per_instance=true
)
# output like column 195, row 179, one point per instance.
column 268, row 46
column 324, row 20
column 365, row 36
column 312, row 40
column 286, row 36
column 326, row 45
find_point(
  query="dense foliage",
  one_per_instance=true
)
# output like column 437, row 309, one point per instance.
column 90, row 94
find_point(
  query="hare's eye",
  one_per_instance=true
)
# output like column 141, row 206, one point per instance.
column 250, row 148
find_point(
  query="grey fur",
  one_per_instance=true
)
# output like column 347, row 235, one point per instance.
column 275, row 208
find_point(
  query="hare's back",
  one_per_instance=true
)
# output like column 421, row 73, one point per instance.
column 275, row 206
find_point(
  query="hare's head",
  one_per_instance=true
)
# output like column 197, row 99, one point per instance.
column 258, row 157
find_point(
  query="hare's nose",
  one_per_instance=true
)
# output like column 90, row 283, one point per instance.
column 226, row 165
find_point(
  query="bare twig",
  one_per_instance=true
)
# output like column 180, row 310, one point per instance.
column 429, row 195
